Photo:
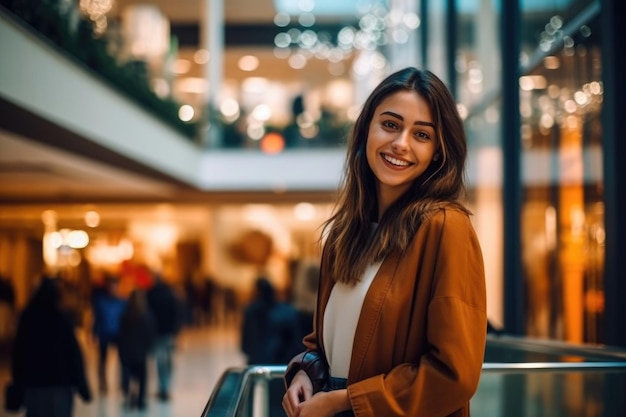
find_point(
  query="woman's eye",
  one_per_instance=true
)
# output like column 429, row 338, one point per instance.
column 422, row 135
column 390, row 125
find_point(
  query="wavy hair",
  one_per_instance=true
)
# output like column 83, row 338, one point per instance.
column 350, row 247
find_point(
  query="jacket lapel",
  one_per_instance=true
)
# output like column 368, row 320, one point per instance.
column 370, row 314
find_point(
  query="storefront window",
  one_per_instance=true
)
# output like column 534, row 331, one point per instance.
column 562, row 213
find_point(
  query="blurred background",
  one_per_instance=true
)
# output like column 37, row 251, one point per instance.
column 204, row 140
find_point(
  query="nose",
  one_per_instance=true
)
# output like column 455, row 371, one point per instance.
column 400, row 143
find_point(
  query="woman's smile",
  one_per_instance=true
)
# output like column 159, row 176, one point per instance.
column 395, row 162
column 401, row 143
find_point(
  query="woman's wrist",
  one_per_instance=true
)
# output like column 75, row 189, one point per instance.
column 339, row 400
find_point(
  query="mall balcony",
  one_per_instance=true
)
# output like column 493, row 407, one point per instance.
column 67, row 96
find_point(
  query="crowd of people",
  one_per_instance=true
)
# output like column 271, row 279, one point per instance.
column 137, row 326
column 47, row 361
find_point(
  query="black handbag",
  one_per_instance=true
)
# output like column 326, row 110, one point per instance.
column 13, row 397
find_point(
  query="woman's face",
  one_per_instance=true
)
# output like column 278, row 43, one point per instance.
column 401, row 143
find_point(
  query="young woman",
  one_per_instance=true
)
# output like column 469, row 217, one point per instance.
column 400, row 323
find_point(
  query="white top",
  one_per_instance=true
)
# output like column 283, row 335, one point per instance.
column 340, row 320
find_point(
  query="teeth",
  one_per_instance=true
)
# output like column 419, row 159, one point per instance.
column 395, row 161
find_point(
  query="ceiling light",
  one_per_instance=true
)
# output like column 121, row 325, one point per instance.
column 248, row 63
column 181, row 66
column 195, row 85
column 186, row 113
column 282, row 19
column 92, row 218
column 201, row 56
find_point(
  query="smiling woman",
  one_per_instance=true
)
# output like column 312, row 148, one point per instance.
column 400, row 322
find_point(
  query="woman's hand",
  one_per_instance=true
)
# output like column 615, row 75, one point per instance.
column 300, row 390
column 299, row 400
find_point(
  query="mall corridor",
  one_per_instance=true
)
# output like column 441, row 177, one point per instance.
column 202, row 354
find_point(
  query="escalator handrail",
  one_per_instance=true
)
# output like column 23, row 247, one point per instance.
column 245, row 375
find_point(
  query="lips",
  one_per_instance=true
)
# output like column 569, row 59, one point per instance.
column 400, row 163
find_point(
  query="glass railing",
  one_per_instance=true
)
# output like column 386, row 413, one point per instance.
column 521, row 377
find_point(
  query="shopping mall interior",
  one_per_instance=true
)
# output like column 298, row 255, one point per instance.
column 204, row 140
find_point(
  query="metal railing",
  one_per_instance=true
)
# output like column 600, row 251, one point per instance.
column 250, row 391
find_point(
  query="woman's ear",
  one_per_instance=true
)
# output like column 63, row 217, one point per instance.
column 436, row 156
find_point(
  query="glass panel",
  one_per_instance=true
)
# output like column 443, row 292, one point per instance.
column 554, row 394
column 479, row 78
column 563, row 213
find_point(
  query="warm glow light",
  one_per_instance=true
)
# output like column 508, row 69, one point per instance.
column 248, row 63
column 272, row 143
column 262, row 112
column 581, row 98
column 297, row 61
column 104, row 254
column 50, row 254
column 255, row 131
column 125, row 249
column 570, row 106
column 533, row 82
column 304, row 211
column 55, row 239
column 230, row 109
column 146, row 30
column 163, row 236
column 201, row 57
column 551, row 62
column 160, row 87
column 49, row 218
column 194, row 85
column 186, row 112
column 181, row 66
column 77, row 239
column 255, row 85
column 92, row 218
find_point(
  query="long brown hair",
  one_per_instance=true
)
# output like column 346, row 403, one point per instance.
column 348, row 242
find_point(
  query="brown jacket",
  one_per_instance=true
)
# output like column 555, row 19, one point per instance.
column 420, row 339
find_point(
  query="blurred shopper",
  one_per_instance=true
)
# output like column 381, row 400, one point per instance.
column 400, row 322
column 270, row 332
column 108, row 307
column 7, row 309
column 167, row 311
column 47, row 362
column 136, row 340
column 207, row 302
column 304, row 293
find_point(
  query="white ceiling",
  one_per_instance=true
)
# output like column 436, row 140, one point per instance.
column 30, row 170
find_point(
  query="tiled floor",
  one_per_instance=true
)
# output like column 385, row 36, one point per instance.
column 201, row 356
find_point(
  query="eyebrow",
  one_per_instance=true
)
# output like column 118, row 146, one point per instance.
column 419, row 122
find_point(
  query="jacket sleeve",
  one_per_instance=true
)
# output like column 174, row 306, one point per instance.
column 446, row 376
